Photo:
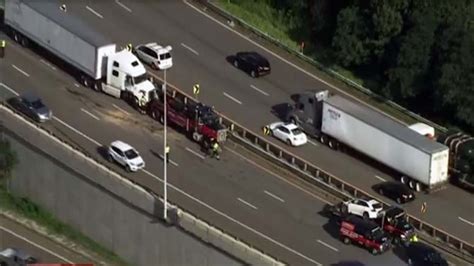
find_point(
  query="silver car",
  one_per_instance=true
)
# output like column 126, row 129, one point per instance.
column 31, row 106
column 156, row 56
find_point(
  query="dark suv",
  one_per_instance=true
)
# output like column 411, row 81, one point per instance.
column 365, row 233
column 253, row 63
column 422, row 254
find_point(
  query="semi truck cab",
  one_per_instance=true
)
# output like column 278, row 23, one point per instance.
column 307, row 112
column 125, row 73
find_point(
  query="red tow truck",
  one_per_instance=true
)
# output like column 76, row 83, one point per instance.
column 197, row 120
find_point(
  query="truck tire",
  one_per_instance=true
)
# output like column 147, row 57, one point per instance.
column 85, row 81
column 323, row 139
column 404, row 179
column 418, row 187
column 162, row 119
column 411, row 184
column 365, row 215
column 346, row 240
column 97, row 86
column 24, row 41
column 16, row 36
column 332, row 143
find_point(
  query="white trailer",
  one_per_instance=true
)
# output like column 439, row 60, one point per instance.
column 419, row 159
column 94, row 60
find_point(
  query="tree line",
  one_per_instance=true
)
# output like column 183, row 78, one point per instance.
column 419, row 53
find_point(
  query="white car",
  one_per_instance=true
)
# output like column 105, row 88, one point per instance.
column 289, row 133
column 125, row 155
column 369, row 209
column 157, row 56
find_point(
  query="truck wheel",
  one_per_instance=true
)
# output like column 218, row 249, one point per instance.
column 346, row 240
column 403, row 179
column 85, row 81
column 332, row 144
column 323, row 139
column 399, row 200
column 411, row 184
column 24, row 41
column 97, row 86
column 16, row 37
column 162, row 119
column 417, row 187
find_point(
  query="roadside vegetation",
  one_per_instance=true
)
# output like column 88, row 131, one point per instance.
column 418, row 53
column 25, row 208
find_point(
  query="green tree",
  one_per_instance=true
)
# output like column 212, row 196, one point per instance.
column 455, row 84
column 407, row 78
column 349, row 41
column 8, row 158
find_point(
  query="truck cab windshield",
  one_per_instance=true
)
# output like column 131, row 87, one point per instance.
column 139, row 79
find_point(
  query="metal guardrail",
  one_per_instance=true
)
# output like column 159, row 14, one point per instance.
column 331, row 72
column 336, row 186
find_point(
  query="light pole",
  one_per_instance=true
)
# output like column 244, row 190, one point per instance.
column 165, row 157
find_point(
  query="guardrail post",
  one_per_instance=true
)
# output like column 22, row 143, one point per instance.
column 267, row 147
column 292, row 160
column 280, row 154
column 244, row 133
column 255, row 141
column 220, row 119
column 185, row 100
column 305, row 166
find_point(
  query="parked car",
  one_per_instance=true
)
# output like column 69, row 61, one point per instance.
column 157, row 56
column 253, row 63
column 289, row 133
column 125, row 155
column 395, row 191
column 14, row 256
column 32, row 106
column 368, row 234
column 369, row 209
column 423, row 255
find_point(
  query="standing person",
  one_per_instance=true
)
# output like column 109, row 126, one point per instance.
column 3, row 44
column 167, row 154
column 215, row 149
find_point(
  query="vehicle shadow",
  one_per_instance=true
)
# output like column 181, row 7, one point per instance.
column 348, row 263
column 102, row 151
column 400, row 252
column 230, row 59
column 281, row 110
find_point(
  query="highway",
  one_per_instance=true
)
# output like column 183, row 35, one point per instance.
column 201, row 45
column 239, row 194
column 14, row 235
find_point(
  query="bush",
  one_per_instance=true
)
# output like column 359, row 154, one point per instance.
column 8, row 159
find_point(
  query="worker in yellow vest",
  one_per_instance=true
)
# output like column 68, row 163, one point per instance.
column 3, row 44
column 167, row 153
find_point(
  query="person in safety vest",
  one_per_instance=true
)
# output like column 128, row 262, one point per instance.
column 167, row 153
column 142, row 102
column 3, row 44
column 215, row 149
column 129, row 47
column 413, row 239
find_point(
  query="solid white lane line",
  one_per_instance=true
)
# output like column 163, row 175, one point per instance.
column 48, row 64
column 190, row 49
column 380, row 178
column 274, row 196
column 91, row 114
column 9, row 89
column 259, row 90
column 327, row 245
column 232, row 98
column 195, row 153
column 120, row 109
column 77, row 85
column 122, row 5
column 466, row 221
column 313, row 143
column 171, row 161
column 35, row 244
column 77, row 131
column 291, row 64
column 94, row 12
column 248, row 204
column 21, row 70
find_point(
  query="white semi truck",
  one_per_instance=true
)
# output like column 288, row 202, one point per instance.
column 94, row 60
column 338, row 122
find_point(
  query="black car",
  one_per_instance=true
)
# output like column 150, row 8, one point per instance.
column 253, row 63
column 396, row 191
column 31, row 106
column 422, row 254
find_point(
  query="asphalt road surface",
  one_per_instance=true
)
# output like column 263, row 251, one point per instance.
column 14, row 235
column 239, row 194
column 201, row 45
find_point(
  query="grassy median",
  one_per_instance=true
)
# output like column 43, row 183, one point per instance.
column 30, row 210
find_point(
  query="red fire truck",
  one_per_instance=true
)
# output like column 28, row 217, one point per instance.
column 197, row 120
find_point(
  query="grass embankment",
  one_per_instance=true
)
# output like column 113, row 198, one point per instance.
column 30, row 210
column 266, row 19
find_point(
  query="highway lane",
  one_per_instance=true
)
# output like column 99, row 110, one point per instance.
column 14, row 235
column 241, row 97
column 251, row 194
